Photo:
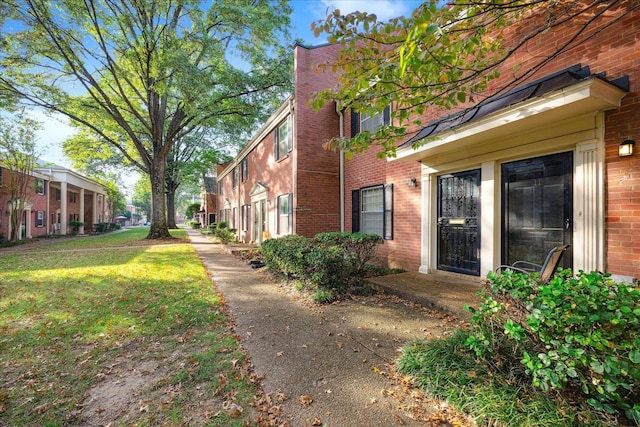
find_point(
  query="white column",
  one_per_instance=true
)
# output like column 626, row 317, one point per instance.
column 9, row 221
column 81, row 229
column 489, row 217
column 28, row 221
column 588, row 216
column 95, row 208
column 64, row 197
column 427, row 255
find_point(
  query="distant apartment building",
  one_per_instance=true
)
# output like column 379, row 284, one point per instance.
column 56, row 197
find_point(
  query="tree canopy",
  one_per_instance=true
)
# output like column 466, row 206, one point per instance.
column 442, row 56
column 141, row 75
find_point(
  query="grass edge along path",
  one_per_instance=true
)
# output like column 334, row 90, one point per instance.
column 74, row 322
column 447, row 369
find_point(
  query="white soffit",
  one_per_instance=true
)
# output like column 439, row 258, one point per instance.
column 590, row 95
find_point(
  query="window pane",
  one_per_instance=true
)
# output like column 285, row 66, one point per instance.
column 368, row 123
column 373, row 211
column 283, row 139
column 283, row 218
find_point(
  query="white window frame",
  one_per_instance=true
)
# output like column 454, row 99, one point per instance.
column 40, row 217
column 285, row 214
column 372, row 214
column 283, row 144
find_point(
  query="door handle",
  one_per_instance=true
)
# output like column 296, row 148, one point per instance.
column 567, row 224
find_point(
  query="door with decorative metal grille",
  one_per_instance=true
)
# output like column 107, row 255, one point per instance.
column 458, row 225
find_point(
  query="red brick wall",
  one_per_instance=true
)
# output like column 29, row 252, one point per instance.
column 38, row 203
column 613, row 48
column 366, row 170
column 317, row 171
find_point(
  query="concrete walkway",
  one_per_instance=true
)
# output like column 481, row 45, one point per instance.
column 324, row 365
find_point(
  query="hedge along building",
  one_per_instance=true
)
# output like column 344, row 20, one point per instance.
column 522, row 171
column 283, row 181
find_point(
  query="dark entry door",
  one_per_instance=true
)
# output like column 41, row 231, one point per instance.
column 537, row 201
column 458, row 225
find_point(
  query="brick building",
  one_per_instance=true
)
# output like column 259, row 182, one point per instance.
column 283, row 181
column 56, row 197
column 524, row 171
column 530, row 167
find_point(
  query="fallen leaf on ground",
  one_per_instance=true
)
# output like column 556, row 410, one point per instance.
column 305, row 400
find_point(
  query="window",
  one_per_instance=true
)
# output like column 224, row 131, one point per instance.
column 220, row 187
column 0, row 177
column 40, row 219
column 285, row 214
column 73, row 197
column 234, row 177
column 245, row 169
column 246, row 212
column 365, row 122
column 59, row 195
column 372, row 210
column 39, row 186
column 234, row 218
column 283, row 140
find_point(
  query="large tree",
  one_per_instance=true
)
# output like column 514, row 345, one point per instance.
column 153, row 70
column 444, row 56
column 18, row 155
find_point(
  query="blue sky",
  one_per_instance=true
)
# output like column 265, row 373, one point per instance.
column 307, row 11
column 304, row 13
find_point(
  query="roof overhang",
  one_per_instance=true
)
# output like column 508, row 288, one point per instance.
column 588, row 96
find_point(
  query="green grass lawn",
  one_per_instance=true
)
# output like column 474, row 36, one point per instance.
column 96, row 313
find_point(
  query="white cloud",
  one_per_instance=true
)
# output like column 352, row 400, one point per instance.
column 384, row 9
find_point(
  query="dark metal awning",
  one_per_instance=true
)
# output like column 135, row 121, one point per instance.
column 538, row 88
column 574, row 86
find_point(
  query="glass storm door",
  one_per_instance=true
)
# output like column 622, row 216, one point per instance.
column 537, row 200
column 458, row 225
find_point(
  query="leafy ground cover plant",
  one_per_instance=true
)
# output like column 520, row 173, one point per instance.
column 447, row 369
column 117, row 314
column 576, row 333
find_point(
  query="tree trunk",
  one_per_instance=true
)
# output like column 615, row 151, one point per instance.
column 159, row 229
column 171, row 208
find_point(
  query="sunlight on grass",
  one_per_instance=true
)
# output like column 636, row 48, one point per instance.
column 69, row 309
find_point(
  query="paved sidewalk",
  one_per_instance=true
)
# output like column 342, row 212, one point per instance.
column 335, row 355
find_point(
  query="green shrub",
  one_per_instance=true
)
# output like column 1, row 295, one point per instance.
column 323, row 297
column 331, row 261
column 331, row 267
column 224, row 233
column 579, row 332
column 287, row 255
column 361, row 246
column 194, row 224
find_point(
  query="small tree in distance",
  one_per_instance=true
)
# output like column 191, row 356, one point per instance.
column 18, row 155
